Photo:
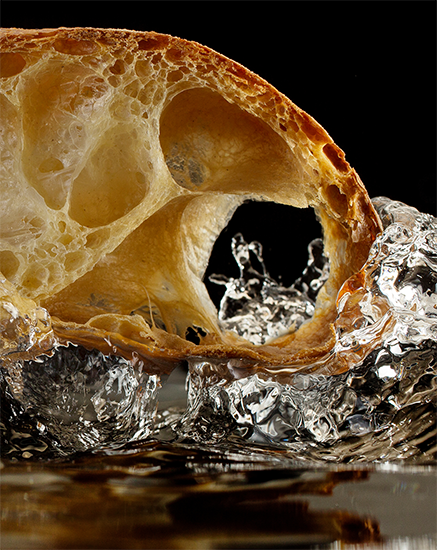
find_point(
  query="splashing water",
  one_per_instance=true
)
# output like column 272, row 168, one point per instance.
column 384, row 408
column 258, row 308
column 77, row 400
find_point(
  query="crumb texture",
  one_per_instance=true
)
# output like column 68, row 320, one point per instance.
column 124, row 155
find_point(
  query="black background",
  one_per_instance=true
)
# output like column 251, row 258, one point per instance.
column 366, row 71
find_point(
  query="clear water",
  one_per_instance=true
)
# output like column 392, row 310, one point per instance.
column 257, row 307
column 82, row 400
column 382, row 409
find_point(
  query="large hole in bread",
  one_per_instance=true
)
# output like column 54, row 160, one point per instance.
column 62, row 106
column 220, row 155
column 107, row 226
column 284, row 234
column 210, row 144
column 114, row 180
column 215, row 147
column 74, row 151
column 11, row 64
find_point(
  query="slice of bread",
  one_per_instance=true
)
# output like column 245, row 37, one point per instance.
column 124, row 155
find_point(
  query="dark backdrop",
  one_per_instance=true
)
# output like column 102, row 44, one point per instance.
column 366, row 71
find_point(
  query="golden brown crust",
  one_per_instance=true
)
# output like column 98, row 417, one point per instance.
column 132, row 87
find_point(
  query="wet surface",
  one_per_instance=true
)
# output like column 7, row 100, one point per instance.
column 163, row 496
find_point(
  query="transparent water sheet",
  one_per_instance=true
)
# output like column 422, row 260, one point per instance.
column 382, row 409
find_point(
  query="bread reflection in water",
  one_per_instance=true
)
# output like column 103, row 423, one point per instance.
column 169, row 497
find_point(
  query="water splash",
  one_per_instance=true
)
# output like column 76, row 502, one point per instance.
column 381, row 409
column 258, row 308
column 384, row 408
column 76, row 400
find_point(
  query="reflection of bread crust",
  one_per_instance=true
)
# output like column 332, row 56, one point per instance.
column 126, row 154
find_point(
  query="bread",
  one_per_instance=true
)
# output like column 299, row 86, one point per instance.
column 124, row 155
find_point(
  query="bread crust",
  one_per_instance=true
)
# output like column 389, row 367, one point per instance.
column 319, row 176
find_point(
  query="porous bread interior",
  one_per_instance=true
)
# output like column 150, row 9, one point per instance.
column 124, row 155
